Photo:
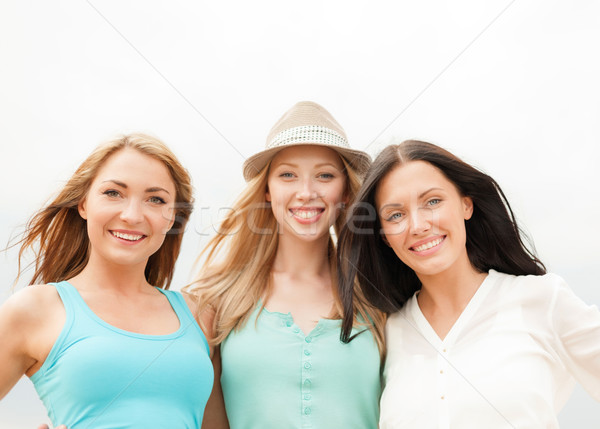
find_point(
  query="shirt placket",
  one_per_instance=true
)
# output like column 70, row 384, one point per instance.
column 442, row 387
column 307, row 371
column 308, row 377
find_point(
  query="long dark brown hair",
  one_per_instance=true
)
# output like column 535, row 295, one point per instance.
column 57, row 234
column 494, row 241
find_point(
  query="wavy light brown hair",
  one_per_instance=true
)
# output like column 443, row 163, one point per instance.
column 236, row 271
column 57, row 234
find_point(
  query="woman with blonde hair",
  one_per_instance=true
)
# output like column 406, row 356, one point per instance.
column 104, row 341
column 269, row 277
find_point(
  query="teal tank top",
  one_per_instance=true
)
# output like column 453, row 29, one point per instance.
column 273, row 376
column 98, row 376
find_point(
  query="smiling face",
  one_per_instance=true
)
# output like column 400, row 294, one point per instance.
column 129, row 208
column 306, row 187
column 423, row 218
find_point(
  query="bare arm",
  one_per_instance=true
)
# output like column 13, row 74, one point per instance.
column 30, row 322
column 215, row 416
column 16, row 329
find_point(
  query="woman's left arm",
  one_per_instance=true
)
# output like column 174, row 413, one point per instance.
column 577, row 326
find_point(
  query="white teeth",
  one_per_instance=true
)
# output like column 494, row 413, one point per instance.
column 126, row 236
column 305, row 214
column 428, row 245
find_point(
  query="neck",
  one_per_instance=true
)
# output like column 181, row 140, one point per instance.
column 451, row 289
column 110, row 277
column 295, row 256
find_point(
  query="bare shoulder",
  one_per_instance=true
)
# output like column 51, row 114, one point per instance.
column 33, row 303
column 191, row 299
column 30, row 322
column 203, row 315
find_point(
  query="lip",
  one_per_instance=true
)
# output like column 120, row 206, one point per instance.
column 318, row 212
column 429, row 251
column 130, row 233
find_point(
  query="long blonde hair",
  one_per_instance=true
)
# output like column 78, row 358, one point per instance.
column 235, row 273
column 57, row 234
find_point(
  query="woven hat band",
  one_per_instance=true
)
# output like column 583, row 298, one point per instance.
column 308, row 134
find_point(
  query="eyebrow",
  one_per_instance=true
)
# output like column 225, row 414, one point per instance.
column 286, row 163
column 421, row 195
column 387, row 206
column 148, row 190
column 327, row 164
column 429, row 190
column 317, row 165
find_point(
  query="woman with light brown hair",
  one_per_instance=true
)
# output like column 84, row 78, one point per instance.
column 269, row 276
column 103, row 340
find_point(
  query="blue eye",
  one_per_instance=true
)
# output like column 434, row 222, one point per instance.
column 394, row 217
column 286, row 175
column 434, row 201
column 326, row 176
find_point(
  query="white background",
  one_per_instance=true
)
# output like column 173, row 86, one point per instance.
column 511, row 86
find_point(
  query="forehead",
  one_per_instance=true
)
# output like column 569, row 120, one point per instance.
column 409, row 180
column 307, row 155
column 132, row 167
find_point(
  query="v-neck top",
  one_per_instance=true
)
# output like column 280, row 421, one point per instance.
column 510, row 360
column 275, row 376
column 99, row 376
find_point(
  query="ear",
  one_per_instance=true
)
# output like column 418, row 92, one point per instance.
column 346, row 197
column 467, row 207
column 82, row 209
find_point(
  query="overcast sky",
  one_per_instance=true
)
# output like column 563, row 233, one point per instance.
column 510, row 86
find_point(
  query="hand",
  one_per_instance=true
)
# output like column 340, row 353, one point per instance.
column 45, row 426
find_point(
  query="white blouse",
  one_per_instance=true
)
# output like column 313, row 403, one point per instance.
column 509, row 361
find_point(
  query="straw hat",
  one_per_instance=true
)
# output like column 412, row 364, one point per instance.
column 306, row 123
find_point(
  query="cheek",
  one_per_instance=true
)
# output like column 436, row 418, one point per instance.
column 394, row 230
column 394, row 234
column 277, row 204
column 335, row 194
column 163, row 218
column 97, row 215
column 393, row 241
column 277, row 201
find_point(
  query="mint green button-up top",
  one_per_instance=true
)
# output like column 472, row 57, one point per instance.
column 274, row 376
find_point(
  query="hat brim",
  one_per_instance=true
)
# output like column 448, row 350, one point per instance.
column 359, row 160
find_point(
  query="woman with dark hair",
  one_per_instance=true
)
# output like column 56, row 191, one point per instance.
column 481, row 335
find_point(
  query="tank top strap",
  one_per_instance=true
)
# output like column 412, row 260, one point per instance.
column 183, row 312
column 68, row 295
column 75, row 307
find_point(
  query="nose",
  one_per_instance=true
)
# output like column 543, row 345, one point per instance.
column 132, row 213
column 420, row 221
column 307, row 191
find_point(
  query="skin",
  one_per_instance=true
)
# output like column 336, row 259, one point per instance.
column 307, row 179
column 423, row 218
column 132, row 193
column 306, row 187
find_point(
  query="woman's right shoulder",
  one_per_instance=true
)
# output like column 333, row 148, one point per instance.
column 33, row 303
